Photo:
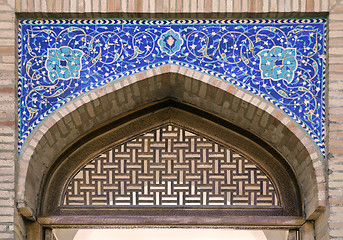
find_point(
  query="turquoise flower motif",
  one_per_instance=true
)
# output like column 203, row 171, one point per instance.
column 170, row 42
column 63, row 63
column 278, row 63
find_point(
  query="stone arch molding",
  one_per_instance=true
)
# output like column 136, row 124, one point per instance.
column 64, row 127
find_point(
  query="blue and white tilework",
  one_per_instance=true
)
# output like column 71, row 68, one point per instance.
column 281, row 60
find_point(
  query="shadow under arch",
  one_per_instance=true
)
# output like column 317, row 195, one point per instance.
column 81, row 116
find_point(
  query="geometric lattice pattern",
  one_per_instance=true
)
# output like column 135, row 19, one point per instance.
column 170, row 166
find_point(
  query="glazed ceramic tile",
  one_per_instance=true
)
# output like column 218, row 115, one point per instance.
column 282, row 61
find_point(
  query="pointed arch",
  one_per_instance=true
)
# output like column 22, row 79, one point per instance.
column 53, row 208
column 244, row 110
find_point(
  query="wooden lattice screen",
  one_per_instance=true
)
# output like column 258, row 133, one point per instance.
column 170, row 166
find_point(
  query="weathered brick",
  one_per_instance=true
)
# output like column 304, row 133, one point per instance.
column 335, row 102
column 338, row 135
column 336, row 200
column 338, row 16
column 336, row 67
column 8, row 59
column 6, row 25
column 335, row 126
column 5, row 235
column 6, row 50
column 5, row 7
column 6, row 211
column 334, row 150
column 335, row 34
column 6, row 42
column 335, row 118
column 6, row 194
column 337, row 8
column 222, row 5
column 7, row 17
column 8, row 34
column 335, row 43
column 336, row 233
column 335, row 185
column 336, row 86
column 7, row 67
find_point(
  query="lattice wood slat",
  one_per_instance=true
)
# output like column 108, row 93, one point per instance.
column 170, row 166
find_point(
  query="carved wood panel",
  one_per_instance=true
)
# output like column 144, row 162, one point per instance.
column 170, row 166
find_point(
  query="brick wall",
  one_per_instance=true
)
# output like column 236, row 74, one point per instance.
column 7, row 119
column 334, row 214
column 174, row 6
column 335, row 121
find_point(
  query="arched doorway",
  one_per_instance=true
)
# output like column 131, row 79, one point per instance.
column 171, row 164
column 145, row 118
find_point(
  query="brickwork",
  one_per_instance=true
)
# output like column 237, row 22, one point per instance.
column 7, row 119
column 173, row 6
column 252, row 113
column 335, row 122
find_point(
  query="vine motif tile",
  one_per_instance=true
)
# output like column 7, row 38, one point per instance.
column 281, row 60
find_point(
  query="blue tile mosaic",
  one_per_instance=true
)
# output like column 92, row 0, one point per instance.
column 281, row 60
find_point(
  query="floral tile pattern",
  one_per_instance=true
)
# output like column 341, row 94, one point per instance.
column 63, row 63
column 170, row 42
column 281, row 60
column 278, row 63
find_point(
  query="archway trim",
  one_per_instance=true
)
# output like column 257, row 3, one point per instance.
column 30, row 175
